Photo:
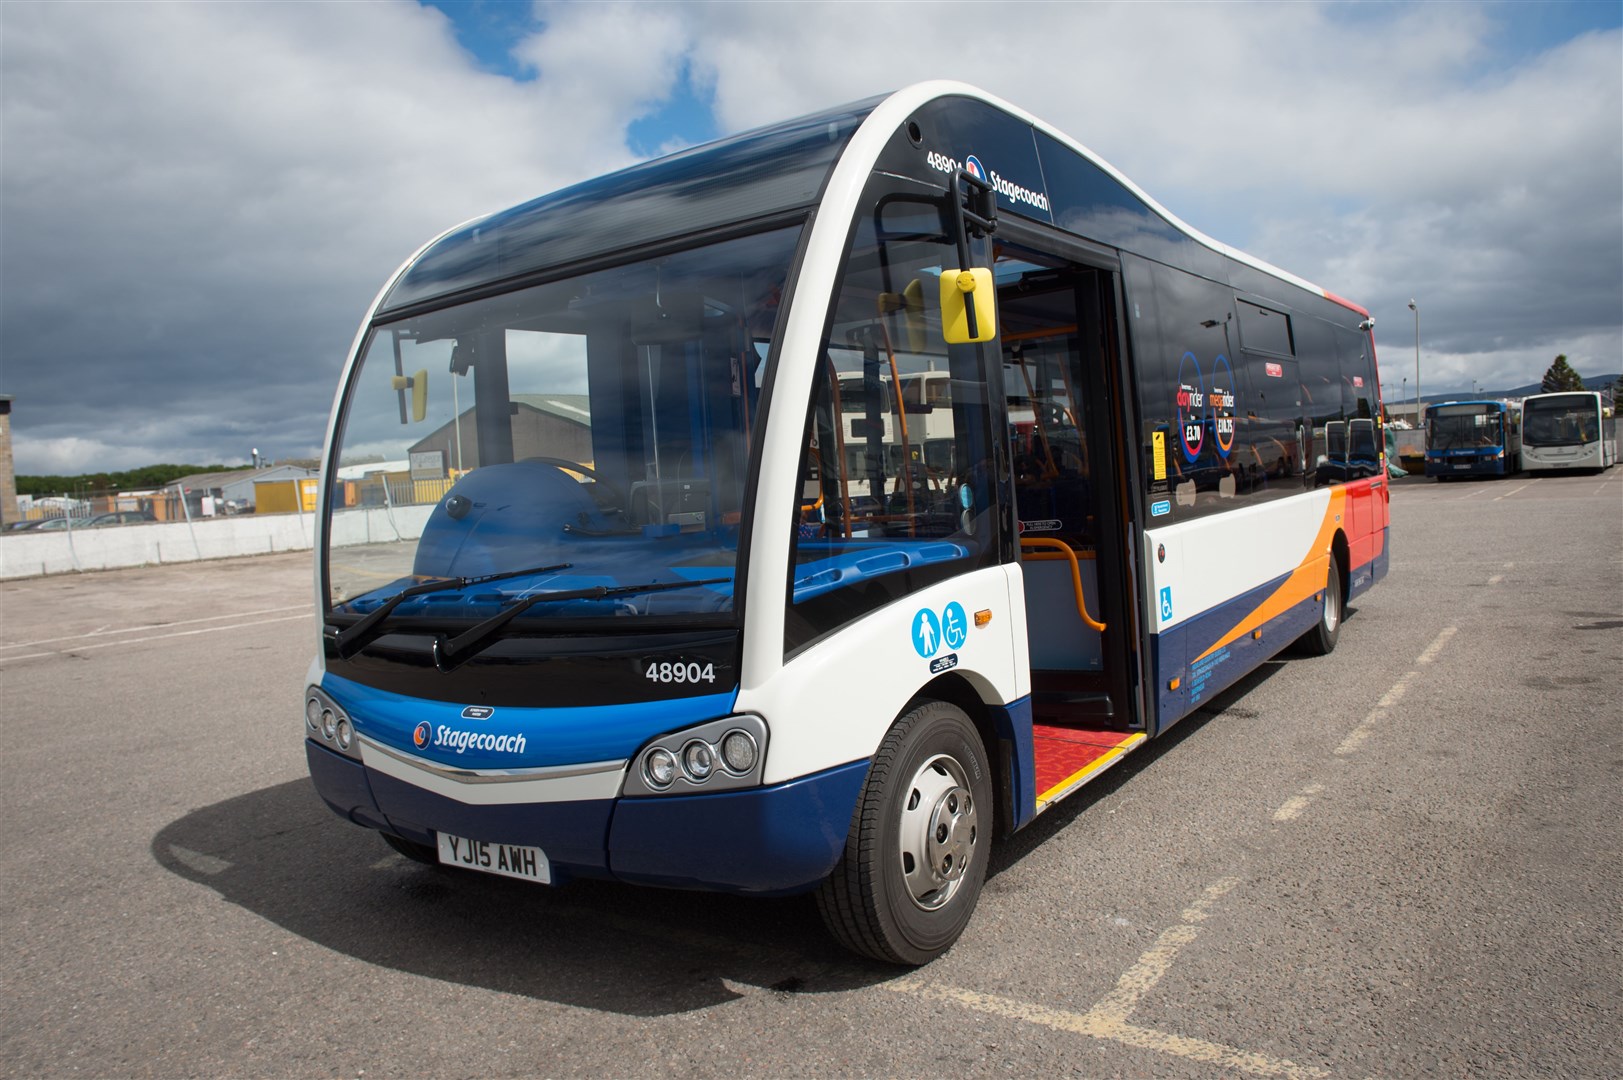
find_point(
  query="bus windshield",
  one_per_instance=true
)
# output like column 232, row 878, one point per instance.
column 595, row 428
column 1566, row 420
column 1464, row 427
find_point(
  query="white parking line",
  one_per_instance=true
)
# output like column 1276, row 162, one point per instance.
column 1292, row 808
column 1107, row 1019
column 76, row 649
column 1508, row 494
column 1355, row 738
column 106, row 630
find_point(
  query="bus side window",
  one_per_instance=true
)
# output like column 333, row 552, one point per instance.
column 896, row 492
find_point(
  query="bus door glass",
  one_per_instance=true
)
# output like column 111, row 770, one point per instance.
column 1057, row 338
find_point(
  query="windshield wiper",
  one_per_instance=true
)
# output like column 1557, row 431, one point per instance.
column 452, row 653
column 358, row 635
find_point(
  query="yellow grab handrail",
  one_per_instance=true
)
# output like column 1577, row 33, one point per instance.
column 1033, row 542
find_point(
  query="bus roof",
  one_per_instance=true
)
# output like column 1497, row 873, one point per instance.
column 779, row 171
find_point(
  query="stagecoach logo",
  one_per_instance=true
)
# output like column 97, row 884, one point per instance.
column 1005, row 187
column 478, row 712
column 425, row 735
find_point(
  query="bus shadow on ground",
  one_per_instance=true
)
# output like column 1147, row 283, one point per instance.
column 281, row 854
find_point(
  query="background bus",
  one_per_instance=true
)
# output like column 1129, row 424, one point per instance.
column 1568, row 431
column 1473, row 438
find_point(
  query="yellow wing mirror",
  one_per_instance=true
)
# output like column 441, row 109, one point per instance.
column 968, row 305
column 418, row 385
column 969, row 294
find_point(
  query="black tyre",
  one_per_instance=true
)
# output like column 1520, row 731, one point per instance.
column 920, row 839
column 415, row 852
column 1321, row 640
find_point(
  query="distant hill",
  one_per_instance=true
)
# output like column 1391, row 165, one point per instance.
column 1593, row 382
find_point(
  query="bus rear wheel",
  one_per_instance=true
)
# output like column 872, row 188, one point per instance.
column 1321, row 640
column 918, row 848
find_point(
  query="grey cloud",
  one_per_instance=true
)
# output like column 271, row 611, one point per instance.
column 199, row 201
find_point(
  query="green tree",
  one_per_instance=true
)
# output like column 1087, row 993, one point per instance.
column 1561, row 377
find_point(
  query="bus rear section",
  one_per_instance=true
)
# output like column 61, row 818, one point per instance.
column 1473, row 438
column 811, row 537
column 1568, row 431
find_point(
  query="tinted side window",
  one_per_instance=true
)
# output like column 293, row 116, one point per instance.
column 1265, row 330
column 1189, row 396
column 1324, row 432
column 1268, row 457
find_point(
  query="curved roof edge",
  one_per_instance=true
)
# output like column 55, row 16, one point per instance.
column 919, row 93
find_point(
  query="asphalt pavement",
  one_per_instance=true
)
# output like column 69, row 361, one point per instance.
column 1399, row 860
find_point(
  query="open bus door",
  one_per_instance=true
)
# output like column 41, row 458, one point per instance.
column 1064, row 385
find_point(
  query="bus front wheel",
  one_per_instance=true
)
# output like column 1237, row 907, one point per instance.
column 1321, row 640
column 916, row 854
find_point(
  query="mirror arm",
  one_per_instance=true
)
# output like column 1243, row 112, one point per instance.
column 975, row 214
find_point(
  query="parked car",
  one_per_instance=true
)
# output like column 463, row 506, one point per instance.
column 122, row 517
column 24, row 526
column 63, row 523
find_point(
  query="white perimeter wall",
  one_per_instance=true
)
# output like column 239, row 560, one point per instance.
column 34, row 553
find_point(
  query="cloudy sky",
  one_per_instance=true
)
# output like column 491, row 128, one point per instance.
column 199, row 201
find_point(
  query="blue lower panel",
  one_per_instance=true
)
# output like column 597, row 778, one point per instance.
column 1201, row 679
column 782, row 839
column 572, row 834
column 1013, row 724
column 341, row 783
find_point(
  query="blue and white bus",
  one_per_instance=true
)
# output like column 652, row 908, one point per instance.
column 1571, row 430
column 1473, row 438
column 803, row 511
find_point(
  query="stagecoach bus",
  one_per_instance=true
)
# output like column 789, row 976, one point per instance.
column 805, row 511
column 1571, row 430
column 1473, row 438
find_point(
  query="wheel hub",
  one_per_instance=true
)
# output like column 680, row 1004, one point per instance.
column 940, row 826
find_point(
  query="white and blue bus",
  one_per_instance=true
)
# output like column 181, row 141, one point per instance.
column 1473, row 438
column 1571, row 430
column 803, row 511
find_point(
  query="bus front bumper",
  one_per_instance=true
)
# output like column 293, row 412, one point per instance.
column 774, row 840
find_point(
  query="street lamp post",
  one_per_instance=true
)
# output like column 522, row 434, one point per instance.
column 1406, row 390
column 1416, row 309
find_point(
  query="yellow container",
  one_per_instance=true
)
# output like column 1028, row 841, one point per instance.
column 286, row 496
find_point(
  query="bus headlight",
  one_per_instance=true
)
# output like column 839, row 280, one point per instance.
column 720, row 755
column 698, row 761
column 659, row 768
column 327, row 723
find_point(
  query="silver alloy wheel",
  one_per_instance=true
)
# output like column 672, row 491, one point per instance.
column 939, row 828
column 1332, row 606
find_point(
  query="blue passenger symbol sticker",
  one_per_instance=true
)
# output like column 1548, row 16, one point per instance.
column 954, row 625
column 926, row 633
column 1166, row 603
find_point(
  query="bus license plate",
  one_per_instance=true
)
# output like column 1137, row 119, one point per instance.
column 508, row 860
column 1462, row 465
